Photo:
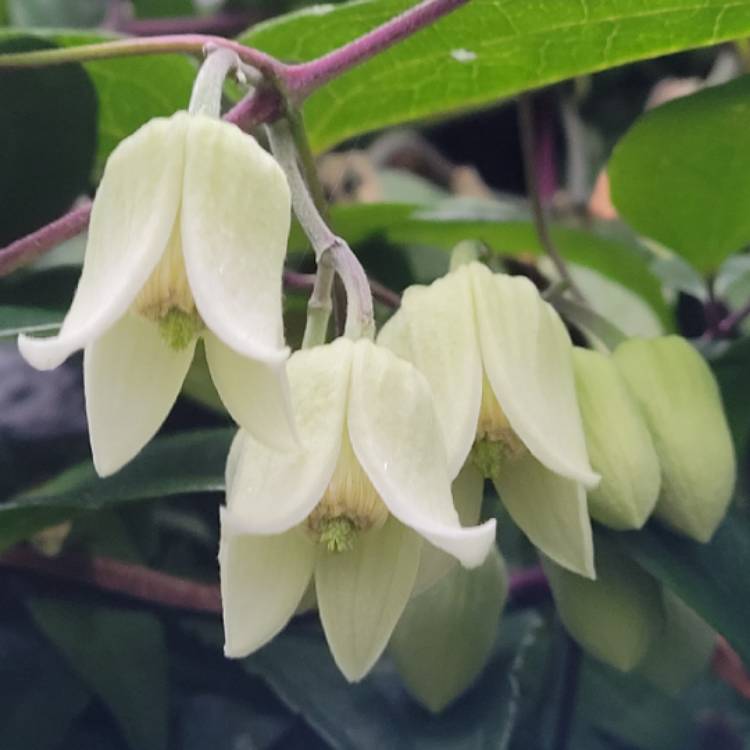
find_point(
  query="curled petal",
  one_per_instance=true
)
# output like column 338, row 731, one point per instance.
column 551, row 511
column 271, row 491
column 436, row 331
column 131, row 221
column 395, row 435
column 132, row 379
column 263, row 579
column 235, row 224
column 362, row 593
column 255, row 394
column 526, row 353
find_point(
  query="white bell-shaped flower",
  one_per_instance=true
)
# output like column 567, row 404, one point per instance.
column 187, row 239
column 349, row 510
column 498, row 360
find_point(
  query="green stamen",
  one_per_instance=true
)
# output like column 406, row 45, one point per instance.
column 179, row 329
column 492, row 456
column 338, row 534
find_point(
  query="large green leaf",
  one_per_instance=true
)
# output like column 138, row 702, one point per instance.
column 130, row 90
column 175, row 465
column 707, row 577
column 680, row 174
column 731, row 368
column 376, row 714
column 482, row 52
column 47, row 140
column 121, row 656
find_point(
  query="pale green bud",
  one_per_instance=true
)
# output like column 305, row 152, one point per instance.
column 680, row 401
column 445, row 635
column 618, row 443
column 682, row 650
column 616, row 617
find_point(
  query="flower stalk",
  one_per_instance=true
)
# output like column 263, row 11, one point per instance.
column 332, row 253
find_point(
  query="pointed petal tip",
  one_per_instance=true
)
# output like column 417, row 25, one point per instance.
column 43, row 353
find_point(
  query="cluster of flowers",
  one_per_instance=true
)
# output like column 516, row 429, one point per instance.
column 344, row 470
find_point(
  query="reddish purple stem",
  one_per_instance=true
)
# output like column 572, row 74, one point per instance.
column 301, row 80
column 154, row 587
column 30, row 247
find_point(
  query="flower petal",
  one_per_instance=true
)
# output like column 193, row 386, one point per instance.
column 271, row 491
column 263, row 579
column 362, row 593
column 551, row 510
column 235, row 223
column 255, row 394
column 526, row 353
column 132, row 379
column 396, row 438
column 131, row 221
column 436, row 331
column 468, row 492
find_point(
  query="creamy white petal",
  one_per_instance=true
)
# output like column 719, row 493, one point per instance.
column 551, row 510
column 263, row 579
column 236, row 213
column 362, row 593
column 255, row 394
column 396, row 437
column 132, row 218
column 271, row 491
column 132, row 379
column 526, row 353
column 435, row 329
column 468, row 491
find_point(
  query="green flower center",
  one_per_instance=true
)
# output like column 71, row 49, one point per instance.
column 338, row 534
column 179, row 329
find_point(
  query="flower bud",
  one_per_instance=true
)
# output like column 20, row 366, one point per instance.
column 682, row 650
column 618, row 442
column 445, row 635
column 616, row 617
column 680, row 401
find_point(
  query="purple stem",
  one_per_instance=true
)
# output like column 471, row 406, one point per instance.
column 37, row 243
column 727, row 326
column 301, row 80
column 527, row 587
column 304, row 281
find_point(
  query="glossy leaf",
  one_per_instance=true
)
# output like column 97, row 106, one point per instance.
column 482, row 52
column 121, row 656
column 687, row 186
column 47, row 140
column 707, row 577
column 175, row 465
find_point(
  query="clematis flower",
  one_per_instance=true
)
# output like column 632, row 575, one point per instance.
column 498, row 360
column 187, row 239
column 349, row 510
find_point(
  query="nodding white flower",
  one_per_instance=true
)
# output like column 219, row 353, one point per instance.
column 498, row 360
column 349, row 510
column 187, row 239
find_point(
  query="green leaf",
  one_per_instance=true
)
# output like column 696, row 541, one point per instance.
column 684, row 186
column 190, row 462
column 40, row 697
column 376, row 713
column 484, row 51
column 130, row 90
column 47, row 140
column 731, row 368
column 121, row 656
column 162, row 8
column 133, row 90
column 707, row 577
